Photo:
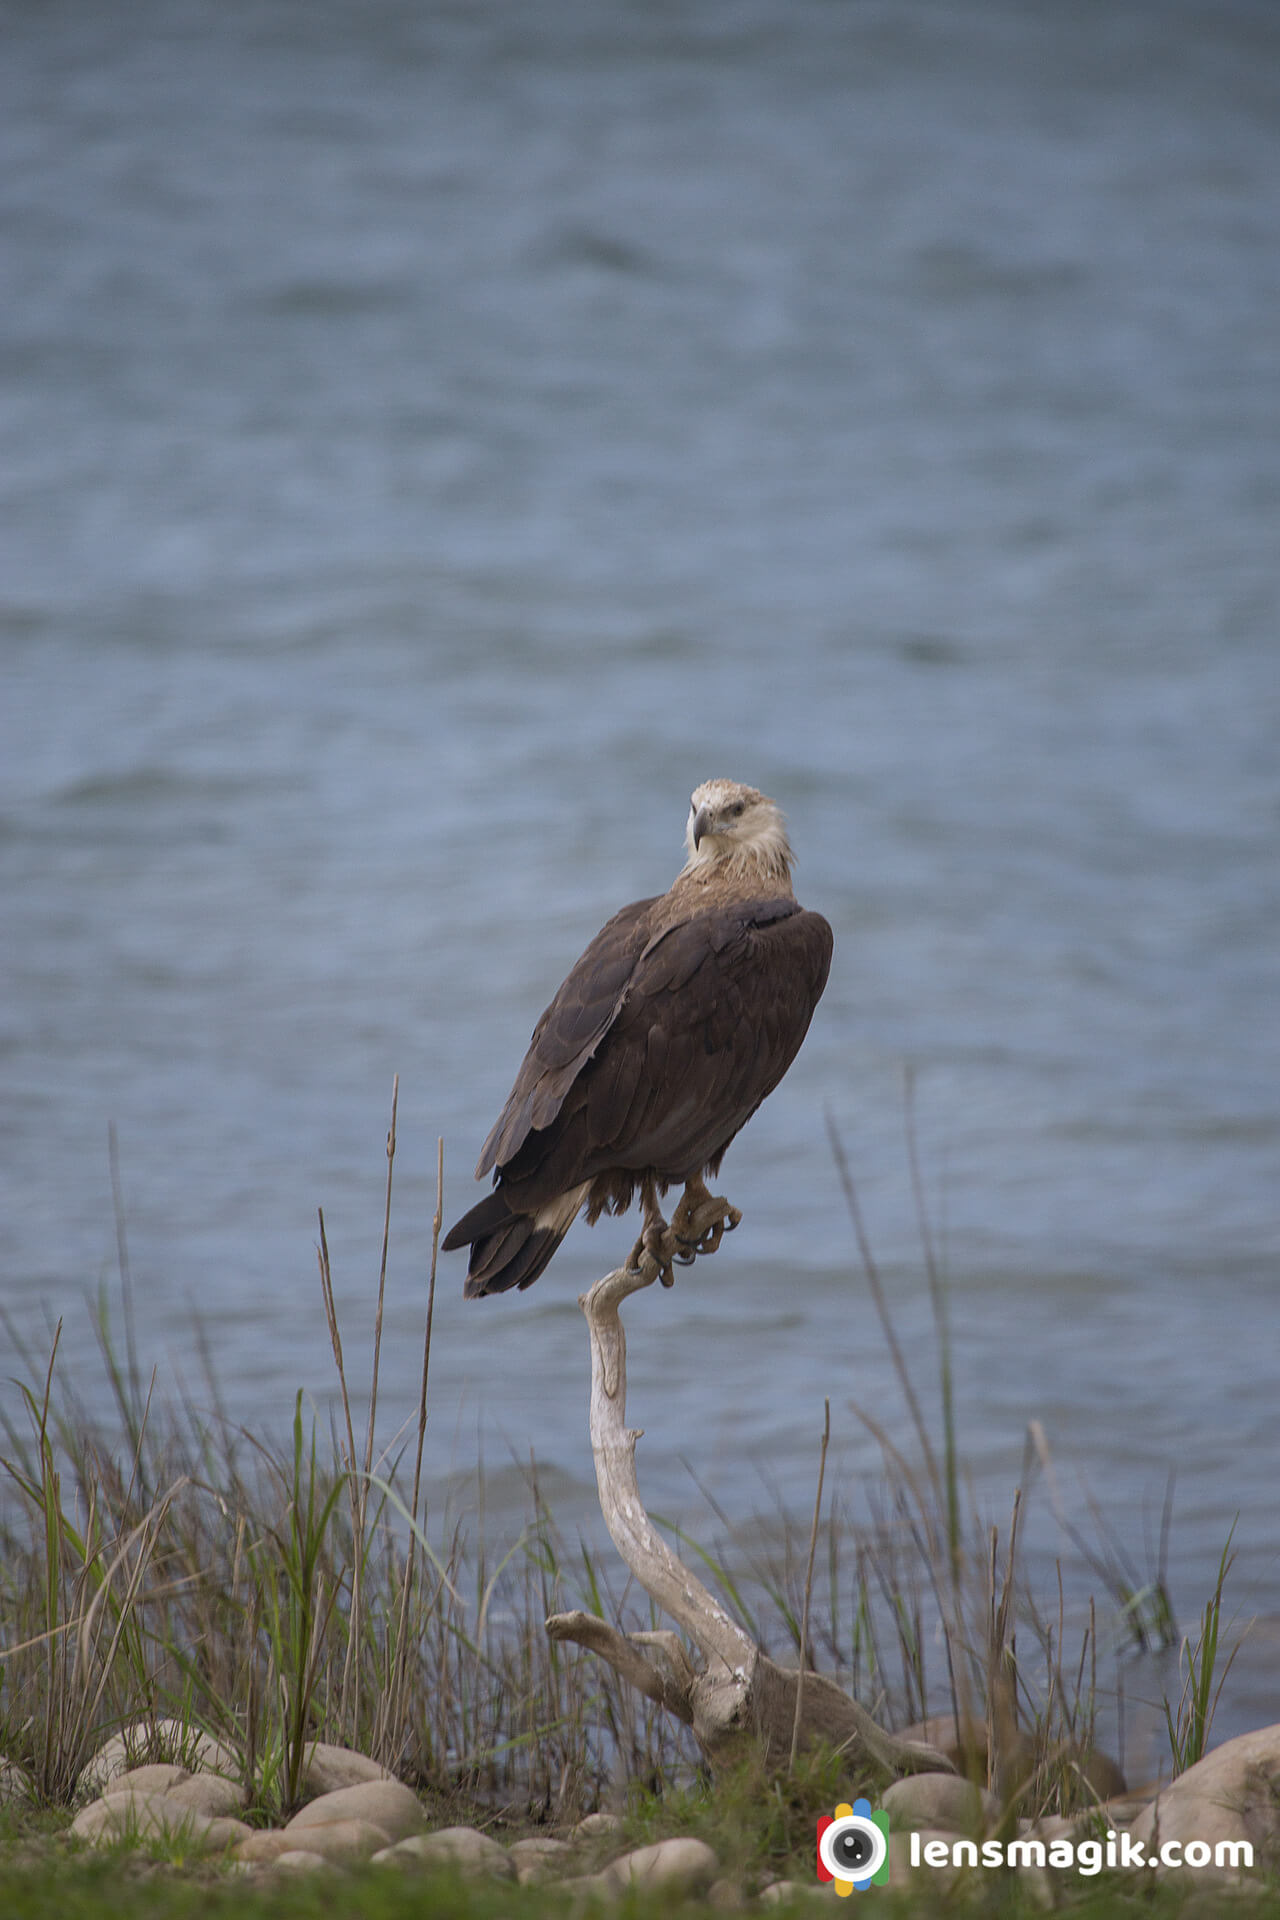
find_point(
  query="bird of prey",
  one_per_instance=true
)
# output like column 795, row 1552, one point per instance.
column 679, row 1019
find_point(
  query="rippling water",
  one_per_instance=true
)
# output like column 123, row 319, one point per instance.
column 434, row 439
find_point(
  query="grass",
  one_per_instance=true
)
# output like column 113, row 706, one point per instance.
column 184, row 1570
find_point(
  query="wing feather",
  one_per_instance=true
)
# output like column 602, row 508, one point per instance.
column 569, row 1032
column 712, row 1015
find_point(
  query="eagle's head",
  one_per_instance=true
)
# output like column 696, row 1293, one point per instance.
column 732, row 828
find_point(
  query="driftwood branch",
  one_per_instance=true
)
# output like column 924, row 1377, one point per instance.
column 737, row 1696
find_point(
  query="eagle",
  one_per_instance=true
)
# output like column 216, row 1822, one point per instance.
column 679, row 1019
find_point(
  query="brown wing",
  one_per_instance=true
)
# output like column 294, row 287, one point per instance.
column 569, row 1032
column 713, row 1014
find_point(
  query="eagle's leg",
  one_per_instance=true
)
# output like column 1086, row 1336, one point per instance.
column 702, row 1219
column 655, row 1236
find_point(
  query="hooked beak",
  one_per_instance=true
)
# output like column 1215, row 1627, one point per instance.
column 701, row 826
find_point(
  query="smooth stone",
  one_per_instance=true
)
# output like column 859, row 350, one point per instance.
column 1232, row 1794
column 942, row 1732
column 538, row 1846
column 157, row 1778
column 1056, row 1826
column 14, row 1784
column 538, row 1858
column 593, row 1825
column 301, row 1860
column 779, row 1890
column 388, row 1804
column 683, row 1865
column 464, row 1848
column 1126, row 1807
column 265, row 1845
column 184, row 1746
column 939, row 1800
column 150, row 1815
column 326, row 1768
column 337, row 1839
column 1102, row 1775
column 210, row 1793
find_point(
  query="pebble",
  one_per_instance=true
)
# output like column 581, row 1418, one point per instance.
column 265, row 1845
column 210, row 1793
column 154, row 1815
column 682, row 1866
column 340, row 1839
column 1232, row 1794
column 151, row 1779
column 386, row 1804
column 14, row 1785
column 539, row 1858
column 325, row 1768
column 465, row 1848
column 596, row 1824
column 939, row 1800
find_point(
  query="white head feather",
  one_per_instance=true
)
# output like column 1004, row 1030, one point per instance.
column 736, row 832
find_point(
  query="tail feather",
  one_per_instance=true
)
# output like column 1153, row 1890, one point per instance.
column 508, row 1249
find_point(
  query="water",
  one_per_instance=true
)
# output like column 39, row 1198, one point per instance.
column 434, row 439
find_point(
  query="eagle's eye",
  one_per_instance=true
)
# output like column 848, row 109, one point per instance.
column 737, row 809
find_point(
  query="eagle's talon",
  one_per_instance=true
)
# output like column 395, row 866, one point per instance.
column 642, row 1259
column 702, row 1219
column 656, row 1245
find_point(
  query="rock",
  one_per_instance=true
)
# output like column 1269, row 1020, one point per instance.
column 465, row 1849
column 1057, row 1826
column 153, row 1779
column 1233, row 1794
column 779, row 1890
column 1101, row 1774
column 725, row 1896
column 335, row 1839
column 210, row 1793
column 596, row 1824
column 167, row 1741
column 943, row 1732
column 300, row 1860
column 14, row 1784
column 129, row 1816
column 683, row 1866
column 538, row 1858
column 939, row 1800
column 326, row 1768
column 387, row 1804
column 265, row 1846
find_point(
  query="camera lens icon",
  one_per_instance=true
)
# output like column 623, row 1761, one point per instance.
column 853, row 1847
